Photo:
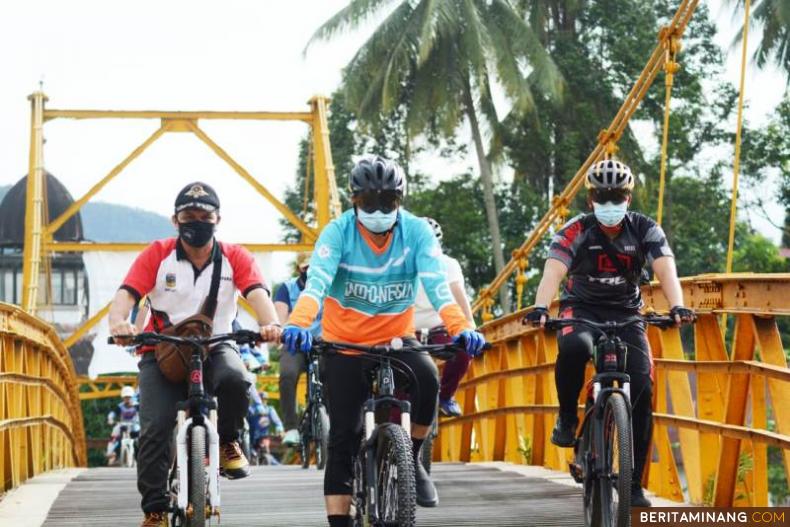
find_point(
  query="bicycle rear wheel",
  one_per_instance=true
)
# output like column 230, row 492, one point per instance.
column 615, row 481
column 395, row 484
column 197, row 477
column 426, row 453
column 321, row 436
column 590, row 494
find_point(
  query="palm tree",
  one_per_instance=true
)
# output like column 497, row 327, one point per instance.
column 441, row 59
column 774, row 18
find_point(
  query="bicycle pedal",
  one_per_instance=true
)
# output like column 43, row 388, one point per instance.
column 577, row 472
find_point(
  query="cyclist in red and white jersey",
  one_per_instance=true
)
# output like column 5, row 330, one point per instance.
column 175, row 274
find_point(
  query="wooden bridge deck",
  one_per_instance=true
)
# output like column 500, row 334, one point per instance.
column 471, row 495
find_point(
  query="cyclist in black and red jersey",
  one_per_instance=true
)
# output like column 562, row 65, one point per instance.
column 603, row 254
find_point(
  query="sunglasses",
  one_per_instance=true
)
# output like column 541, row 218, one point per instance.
column 616, row 196
column 384, row 200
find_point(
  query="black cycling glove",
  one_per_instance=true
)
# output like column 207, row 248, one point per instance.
column 685, row 314
column 533, row 317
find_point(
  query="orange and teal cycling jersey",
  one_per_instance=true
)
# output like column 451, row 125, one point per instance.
column 367, row 292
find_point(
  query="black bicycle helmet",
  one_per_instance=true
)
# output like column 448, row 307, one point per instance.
column 609, row 174
column 376, row 173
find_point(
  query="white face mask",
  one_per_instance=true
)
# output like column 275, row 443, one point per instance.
column 377, row 222
column 610, row 214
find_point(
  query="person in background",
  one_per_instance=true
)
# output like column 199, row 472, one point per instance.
column 264, row 423
column 125, row 412
column 431, row 329
column 254, row 359
column 292, row 365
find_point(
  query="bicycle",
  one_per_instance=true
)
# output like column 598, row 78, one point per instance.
column 384, row 487
column 128, row 443
column 194, row 475
column 314, row 424
column 603, row 451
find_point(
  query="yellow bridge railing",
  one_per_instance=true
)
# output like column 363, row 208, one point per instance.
column 41, row 424
column 711, row 412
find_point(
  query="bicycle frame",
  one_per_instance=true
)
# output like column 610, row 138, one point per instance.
column 189, row 415
column 127, row 442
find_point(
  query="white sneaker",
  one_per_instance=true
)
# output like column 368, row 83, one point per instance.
column 292, row 437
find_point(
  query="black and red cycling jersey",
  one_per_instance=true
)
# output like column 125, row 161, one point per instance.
column 592, row 277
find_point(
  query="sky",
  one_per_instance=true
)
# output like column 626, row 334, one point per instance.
column 196, row 55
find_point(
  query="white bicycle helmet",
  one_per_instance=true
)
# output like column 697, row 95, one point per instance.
column 437, row 229
column 609, row 174
column 127, row 391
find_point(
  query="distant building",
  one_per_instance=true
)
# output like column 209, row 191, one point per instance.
column 65, row 305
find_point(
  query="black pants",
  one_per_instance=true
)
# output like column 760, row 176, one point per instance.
column 225, row 377
column 575, row 349
column 347, row 389
column 291, row 366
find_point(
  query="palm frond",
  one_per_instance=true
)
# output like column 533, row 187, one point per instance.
column 350, row 17
column 524, row 41
column 365, row 79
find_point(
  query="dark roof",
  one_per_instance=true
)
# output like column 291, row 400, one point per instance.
column 12, row 212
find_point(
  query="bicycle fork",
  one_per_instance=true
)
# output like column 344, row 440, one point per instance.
column 182, row 458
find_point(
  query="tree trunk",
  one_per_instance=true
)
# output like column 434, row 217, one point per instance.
column 488, row 194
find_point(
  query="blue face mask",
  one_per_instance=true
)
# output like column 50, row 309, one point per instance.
column 610, row 214
column 377, row 222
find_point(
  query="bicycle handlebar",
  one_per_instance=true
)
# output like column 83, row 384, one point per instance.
column 441, row 351
column 662, row 322
column 243, row 336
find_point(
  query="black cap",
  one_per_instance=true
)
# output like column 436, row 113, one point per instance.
column 197, row 195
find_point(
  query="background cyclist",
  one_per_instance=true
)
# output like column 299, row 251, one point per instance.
column 264, row 423
column 292, row 365
column 126, row 412
column 602, row 288
column 364, row 272
column 431, row 329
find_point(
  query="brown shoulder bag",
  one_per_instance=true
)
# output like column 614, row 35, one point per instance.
column 173, row 359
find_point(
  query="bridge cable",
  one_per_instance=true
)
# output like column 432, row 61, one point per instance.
column 671, row 67
column 736, row 166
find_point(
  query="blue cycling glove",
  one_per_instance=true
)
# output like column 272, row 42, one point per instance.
column 297, row 339
column 473, row 341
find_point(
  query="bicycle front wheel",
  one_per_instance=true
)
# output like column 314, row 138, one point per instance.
column 615, row 481
column 197, row 477
column 395, row 484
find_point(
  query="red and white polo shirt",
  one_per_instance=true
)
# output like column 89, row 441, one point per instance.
column 176, row 289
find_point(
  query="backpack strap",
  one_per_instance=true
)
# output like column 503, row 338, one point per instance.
column 209, row 306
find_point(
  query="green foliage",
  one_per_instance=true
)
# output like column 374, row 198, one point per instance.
column 94, row 413
column 428, row 54
column 778, row 488
column 767, row 150
column 773, row 16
